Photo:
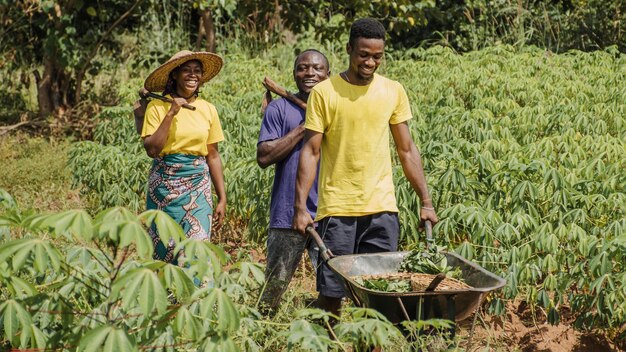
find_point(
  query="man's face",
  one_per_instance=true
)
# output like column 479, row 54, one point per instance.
column 310, row 69
column 365, row 57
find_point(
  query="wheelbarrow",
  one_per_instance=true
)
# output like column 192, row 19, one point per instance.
column 453, row 305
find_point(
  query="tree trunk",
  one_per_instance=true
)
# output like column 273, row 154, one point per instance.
column 206, row 29
column 44, row 87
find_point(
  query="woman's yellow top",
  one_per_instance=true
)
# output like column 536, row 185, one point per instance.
column 190, row 132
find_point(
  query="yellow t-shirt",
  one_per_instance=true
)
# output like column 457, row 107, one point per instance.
column 190, row 131
column 355, row 172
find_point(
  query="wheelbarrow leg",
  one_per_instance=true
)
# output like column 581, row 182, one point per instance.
column 404, row 312
column 451, row 314
column 471, row 333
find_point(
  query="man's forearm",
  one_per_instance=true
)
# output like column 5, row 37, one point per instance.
column 413, row 170
column 307, row 167
column 271, row 152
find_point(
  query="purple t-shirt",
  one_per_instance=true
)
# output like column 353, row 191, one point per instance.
column 282, row 116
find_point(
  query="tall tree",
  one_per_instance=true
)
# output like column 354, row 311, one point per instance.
column 59, row 39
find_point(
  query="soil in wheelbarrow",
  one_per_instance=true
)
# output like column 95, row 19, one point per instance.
column 407, row 282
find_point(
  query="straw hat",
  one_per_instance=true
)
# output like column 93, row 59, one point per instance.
column 211, row 65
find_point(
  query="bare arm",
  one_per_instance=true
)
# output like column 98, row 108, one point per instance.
column 139, row 110
column 307, row 169
column 271, row 152
column 217, row 178
column 155, row 142
column 413, row 170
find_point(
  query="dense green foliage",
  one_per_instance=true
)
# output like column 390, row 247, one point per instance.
column 114, row 164
column 72, row 282
column 557, row 25
column 525, row 157
column 524, row 152
column 64, row 58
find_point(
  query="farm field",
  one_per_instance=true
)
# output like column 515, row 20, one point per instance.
column 524, row 151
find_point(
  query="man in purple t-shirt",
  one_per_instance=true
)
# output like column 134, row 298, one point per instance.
column 280, row 141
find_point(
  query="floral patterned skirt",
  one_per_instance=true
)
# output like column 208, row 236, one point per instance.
column 180, row 185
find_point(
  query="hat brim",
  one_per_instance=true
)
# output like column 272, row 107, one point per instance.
column 211, row 66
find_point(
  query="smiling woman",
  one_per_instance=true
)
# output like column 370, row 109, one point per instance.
column 183, row 143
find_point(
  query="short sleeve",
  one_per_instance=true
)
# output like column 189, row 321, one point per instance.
column 315, row 112
column 215, row 131
column 151, row 120
column 272, row 124
column 402, row 112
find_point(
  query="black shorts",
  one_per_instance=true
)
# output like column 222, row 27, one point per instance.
column 351, row 235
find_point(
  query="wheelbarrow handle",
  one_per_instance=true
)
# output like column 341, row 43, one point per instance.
column 429, row 233
column 324, row 251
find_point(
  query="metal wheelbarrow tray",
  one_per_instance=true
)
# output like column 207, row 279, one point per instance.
column 452, row 305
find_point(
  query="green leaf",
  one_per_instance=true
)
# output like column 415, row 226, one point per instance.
column 92, row 11
column 133, row 232
column 187, row 325
column 143, row 285
column 43, row 254
column 69, row 223
column 13, row 319
column 177, row 281
column 93, row 339
column 118, row 340
column 6, row 200
column 251, row 274
column 204, row 257
column 33, row 338
column 219, row 344
column 218, row 307
column 553, row 316
column 21, row 288
column 166, row 227
column 466, row 250
column 110, row 223
column 368, row 327
column 303, row 335
column 544, row 299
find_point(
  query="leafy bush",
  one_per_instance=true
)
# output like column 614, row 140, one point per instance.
column 524, row 152
column 113, row 166
column 551, row 24
column 70, row 281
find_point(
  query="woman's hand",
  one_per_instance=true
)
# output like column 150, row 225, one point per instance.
column 177, row 104
column 218, row 214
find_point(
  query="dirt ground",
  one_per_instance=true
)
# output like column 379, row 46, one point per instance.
column 517, row 332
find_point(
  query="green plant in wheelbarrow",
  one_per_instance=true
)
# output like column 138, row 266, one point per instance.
column 425, row 268
column 429, row 260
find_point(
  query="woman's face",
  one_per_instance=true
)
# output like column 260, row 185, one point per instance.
column 187, row 77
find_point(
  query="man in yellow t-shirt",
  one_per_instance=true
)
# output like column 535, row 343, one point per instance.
column 349, row 117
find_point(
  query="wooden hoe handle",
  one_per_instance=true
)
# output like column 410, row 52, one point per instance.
column 275, row 88
column 144, row 93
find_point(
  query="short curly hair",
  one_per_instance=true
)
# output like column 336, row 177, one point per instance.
column 369, row 28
